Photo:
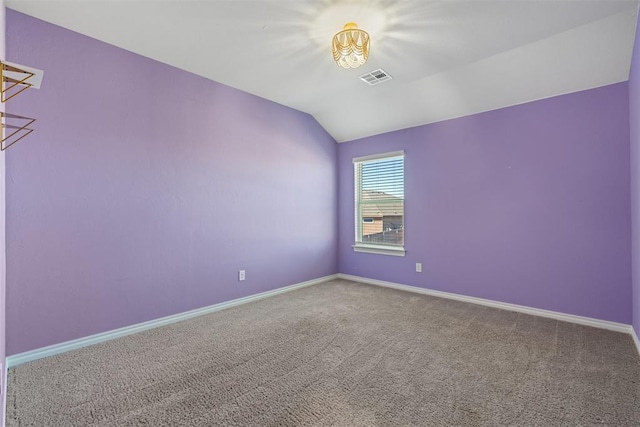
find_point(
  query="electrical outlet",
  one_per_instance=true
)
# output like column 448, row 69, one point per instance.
column 241, row 275
column 418, row 267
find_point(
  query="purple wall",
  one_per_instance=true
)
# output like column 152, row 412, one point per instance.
column 526, row 205
column 145, row 189
column 634, row 122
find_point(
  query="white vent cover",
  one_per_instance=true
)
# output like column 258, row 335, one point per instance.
column 375, row 77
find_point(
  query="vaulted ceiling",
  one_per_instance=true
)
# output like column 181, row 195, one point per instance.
column 447, row 58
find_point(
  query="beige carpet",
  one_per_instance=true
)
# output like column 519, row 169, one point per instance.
column 343, row 354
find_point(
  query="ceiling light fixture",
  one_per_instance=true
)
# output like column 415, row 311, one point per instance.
column 350, row 46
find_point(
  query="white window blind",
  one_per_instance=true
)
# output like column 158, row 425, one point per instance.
column 379, row 202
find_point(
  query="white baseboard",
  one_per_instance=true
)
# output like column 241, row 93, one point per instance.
column 588, row 321
column 51, row 350
column 636, row 341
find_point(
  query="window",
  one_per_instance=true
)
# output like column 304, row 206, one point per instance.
column 379, row 197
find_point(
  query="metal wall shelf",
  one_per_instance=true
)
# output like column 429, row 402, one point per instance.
column 15, row 79
column 18, row 126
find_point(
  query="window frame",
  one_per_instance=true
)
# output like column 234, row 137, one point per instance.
column 375, row 248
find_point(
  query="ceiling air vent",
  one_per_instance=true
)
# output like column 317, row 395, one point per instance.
column 375, row 77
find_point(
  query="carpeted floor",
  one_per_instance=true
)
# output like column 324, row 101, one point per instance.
column 343, row 354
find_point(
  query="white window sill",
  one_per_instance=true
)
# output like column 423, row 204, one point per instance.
column 380, row 250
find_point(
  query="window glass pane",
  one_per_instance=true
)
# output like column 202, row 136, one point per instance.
column 380, row 201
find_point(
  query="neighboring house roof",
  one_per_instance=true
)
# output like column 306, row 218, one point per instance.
column 378, row 204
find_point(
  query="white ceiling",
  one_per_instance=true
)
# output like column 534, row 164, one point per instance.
column 448, row 58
